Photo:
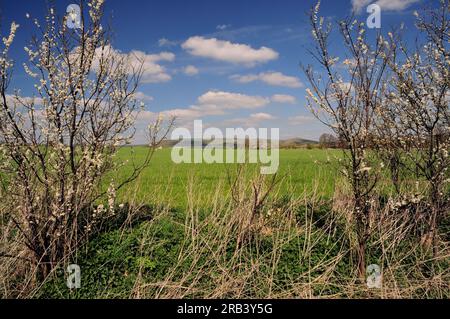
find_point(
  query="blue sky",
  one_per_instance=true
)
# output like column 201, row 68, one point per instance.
column 231, row 63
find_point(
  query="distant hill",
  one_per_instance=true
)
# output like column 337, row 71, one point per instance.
column 288, row 143
column 296, row 143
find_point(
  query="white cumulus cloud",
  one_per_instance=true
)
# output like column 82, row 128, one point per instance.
column 271, row 78
column 228, row 100
column 152, row 70
column 284, row 98
column 163, row 42
column 218, row 103
column 227, row 51
column 141, row 96
column 300, row 119
column 190, row 70
column 387, row 5
column 262, row 116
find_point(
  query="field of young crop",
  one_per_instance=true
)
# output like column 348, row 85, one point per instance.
column 191, row 238
column 163, row 181
column 189, row 227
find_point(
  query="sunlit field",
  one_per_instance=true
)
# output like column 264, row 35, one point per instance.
column 184, row 238
column 300, row 171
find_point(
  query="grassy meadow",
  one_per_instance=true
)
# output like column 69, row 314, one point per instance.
column 300, row 170
column 183, row 234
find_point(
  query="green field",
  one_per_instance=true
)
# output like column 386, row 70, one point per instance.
column 177, row 241
column 183, row 237
column 300, row 171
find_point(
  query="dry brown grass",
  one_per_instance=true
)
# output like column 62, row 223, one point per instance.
column 226, row 252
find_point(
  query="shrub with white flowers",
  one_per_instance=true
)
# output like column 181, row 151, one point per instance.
column 57, row 147
column 344, row 96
